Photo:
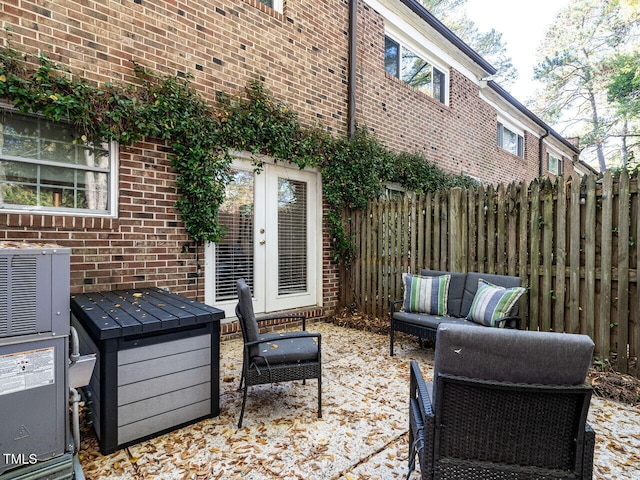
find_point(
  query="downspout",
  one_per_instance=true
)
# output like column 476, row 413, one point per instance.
column 540, row 143
column 351, row 81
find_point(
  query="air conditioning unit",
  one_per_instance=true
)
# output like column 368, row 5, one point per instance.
column 34, row 289
column 34, row 358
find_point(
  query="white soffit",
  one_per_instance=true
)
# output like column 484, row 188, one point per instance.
column 509, row 113
column 440, row 49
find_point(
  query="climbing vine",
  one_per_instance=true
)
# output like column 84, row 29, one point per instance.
column 200, row 136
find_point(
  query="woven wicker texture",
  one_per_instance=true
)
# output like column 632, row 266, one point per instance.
column 496, row 430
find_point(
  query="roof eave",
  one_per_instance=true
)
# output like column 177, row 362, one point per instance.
column 443, row 30
column 532, row 116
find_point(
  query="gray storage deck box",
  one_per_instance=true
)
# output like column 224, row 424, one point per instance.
column 157, row 362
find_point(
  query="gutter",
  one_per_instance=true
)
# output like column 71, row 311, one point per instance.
column 351, row 81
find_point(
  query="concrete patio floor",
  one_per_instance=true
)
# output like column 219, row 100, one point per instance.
column 362, row 435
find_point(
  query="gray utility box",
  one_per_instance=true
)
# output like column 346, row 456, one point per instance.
column 34, row 345
column 157, row 362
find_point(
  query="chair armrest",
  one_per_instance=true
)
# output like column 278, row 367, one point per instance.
column 394, row 305
column 286, row 336
column 510, row 322
column 281, row 316
column 418, row 390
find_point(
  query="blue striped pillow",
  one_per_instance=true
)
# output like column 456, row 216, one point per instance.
column 426, row 294
column 492, row 302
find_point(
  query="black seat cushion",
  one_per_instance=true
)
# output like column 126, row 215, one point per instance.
column 274, row 351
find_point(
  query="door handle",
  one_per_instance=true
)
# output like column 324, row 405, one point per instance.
column 262, row 242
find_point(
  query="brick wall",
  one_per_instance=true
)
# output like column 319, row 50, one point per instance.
column 301, row 56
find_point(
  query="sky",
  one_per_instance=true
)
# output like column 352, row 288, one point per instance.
column 522, row 24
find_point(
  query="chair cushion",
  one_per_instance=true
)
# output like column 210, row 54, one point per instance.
column 492, row 302
column 245, row 307
column 471, row 286
column 517, row 356
column 456, row 289
column 274, row 351
column 431, row 321
column 425, row 294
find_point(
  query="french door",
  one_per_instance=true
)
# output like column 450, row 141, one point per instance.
column 273, row 239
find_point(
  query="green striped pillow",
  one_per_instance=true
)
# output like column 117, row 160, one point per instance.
column 492, row 302
column 426, row 294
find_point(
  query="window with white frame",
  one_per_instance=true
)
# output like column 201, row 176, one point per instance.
column 45, row 167
column 275, row 4
column 554, row 164
column 403, row 63
column 510, row 140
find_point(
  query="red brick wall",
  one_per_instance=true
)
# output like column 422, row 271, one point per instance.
column 300, row 54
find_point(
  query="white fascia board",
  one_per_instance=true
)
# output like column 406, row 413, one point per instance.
column 511, row 117
column 557, row 149
column 416, row 34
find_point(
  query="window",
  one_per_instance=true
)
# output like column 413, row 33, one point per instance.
column 412, row 69
column 554, row 164
column 275, row 4
column 44, row 167
column 510, row 140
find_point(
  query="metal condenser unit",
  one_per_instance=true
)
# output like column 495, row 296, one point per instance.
column 35, row 437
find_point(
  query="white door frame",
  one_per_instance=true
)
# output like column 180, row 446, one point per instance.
column 265, row 295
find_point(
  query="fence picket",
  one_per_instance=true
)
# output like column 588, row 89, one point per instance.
column 603, row 325
column 560, row 322
column 622, row 321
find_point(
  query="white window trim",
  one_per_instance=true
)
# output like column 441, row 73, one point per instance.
column 557, row 154
column 405, row 41
column 114, row 178
column 278, row 5
column 513, row 129
column 411, row 27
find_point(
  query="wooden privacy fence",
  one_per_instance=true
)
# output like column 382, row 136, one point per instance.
column 574, row 244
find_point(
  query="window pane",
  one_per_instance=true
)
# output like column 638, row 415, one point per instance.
column 391, row 52
column 48, row 186
column 41, row 168
column 416, row 71
column 234, row 253
column 268, row 3
column 510, row 141
column 292, row 236
column 439, row 87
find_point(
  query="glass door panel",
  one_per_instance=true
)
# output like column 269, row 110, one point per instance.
column 292, row 236
column 234, row 254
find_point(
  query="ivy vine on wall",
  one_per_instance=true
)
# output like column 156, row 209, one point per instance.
column 200, row 136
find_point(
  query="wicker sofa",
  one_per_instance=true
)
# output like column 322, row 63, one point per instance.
column 461, row 292
column 503, row 405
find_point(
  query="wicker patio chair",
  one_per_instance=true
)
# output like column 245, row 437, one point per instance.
column 505, row 404
column 275, row 357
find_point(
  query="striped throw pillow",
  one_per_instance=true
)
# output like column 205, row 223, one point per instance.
column 492, row 302
column 426, row 294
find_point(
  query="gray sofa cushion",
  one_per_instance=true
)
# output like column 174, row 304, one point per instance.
column 471, row 286
column 516, row 356
column 456, row 290
column 431, row 321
